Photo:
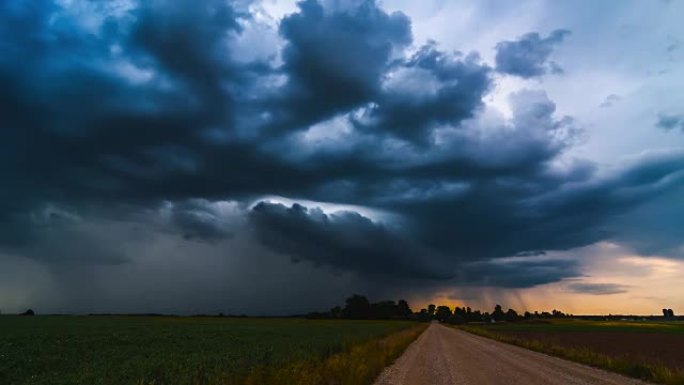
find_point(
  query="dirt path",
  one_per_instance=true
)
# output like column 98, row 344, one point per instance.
column 444, row 356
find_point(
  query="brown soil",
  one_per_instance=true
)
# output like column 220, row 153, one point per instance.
column 655, row 348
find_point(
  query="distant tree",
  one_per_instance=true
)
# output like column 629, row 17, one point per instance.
column 461, row 312
column 443, row 313
column 28, row 312
column 460, row 316
column 475, row 316
column 357, row 307
column 670, row 313
column 336, row 312
column 383, row 310
column 528, row 315
column 511, row 315
column 403, row 309
column 498, row 314
column 431, row 310
column 486, row 317
column 423, row 315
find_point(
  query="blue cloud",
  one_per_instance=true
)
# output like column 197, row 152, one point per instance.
column 597, row 288
column 670, row 121
column 528, row 56
column 447, row 89
column 335, row 58
column 148, row 105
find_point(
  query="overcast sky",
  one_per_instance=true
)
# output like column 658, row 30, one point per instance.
column 274, row 157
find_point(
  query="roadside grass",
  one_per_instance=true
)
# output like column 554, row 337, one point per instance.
column 72, row 350
column 645, row 371
column 360, row 364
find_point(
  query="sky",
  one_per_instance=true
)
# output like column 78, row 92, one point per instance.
column 275, row 157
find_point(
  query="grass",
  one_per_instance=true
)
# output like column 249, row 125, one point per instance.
column 646, row 371
column 360, row 364
column 184, row 350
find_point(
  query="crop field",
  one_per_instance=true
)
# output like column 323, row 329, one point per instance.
column 196, row 350
column 648, row 350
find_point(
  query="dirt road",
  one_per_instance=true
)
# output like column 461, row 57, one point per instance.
column 444, row 356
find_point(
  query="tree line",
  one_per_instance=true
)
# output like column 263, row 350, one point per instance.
column 462, row 315
column 358, row 307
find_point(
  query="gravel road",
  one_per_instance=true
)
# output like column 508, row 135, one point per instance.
column 445, row 356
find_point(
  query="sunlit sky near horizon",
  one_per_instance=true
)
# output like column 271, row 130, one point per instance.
column 274, row 157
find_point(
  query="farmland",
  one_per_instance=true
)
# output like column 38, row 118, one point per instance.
column 647, row 350
column 196, row 350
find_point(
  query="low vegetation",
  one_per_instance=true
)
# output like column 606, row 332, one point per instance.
column 359, row 364
column 107, row 350
column 646, row 350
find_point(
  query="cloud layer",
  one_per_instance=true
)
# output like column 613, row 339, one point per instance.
column 528, row 56
column 128, row 120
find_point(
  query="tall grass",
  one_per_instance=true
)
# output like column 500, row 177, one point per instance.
column 649, row 372
column 359, row 364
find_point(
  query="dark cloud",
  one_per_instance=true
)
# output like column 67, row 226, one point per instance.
column 431, row 88
column 57, row 236
column 169, row 274
column 525, row 219
column 516, row 273
column 142, row 124
column 527, row 57
column 188, row 41
column 203, row 220
column 597, row 288
column 650, row 229
column 670, row 121
column 343, row 239
column 335, row 58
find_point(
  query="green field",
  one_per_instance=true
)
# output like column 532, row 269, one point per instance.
column 185, row 350
column 650, row 350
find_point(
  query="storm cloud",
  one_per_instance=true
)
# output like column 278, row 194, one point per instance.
column 347, row 148
column 528, row 56
column 597, row 288
column 342, row 239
